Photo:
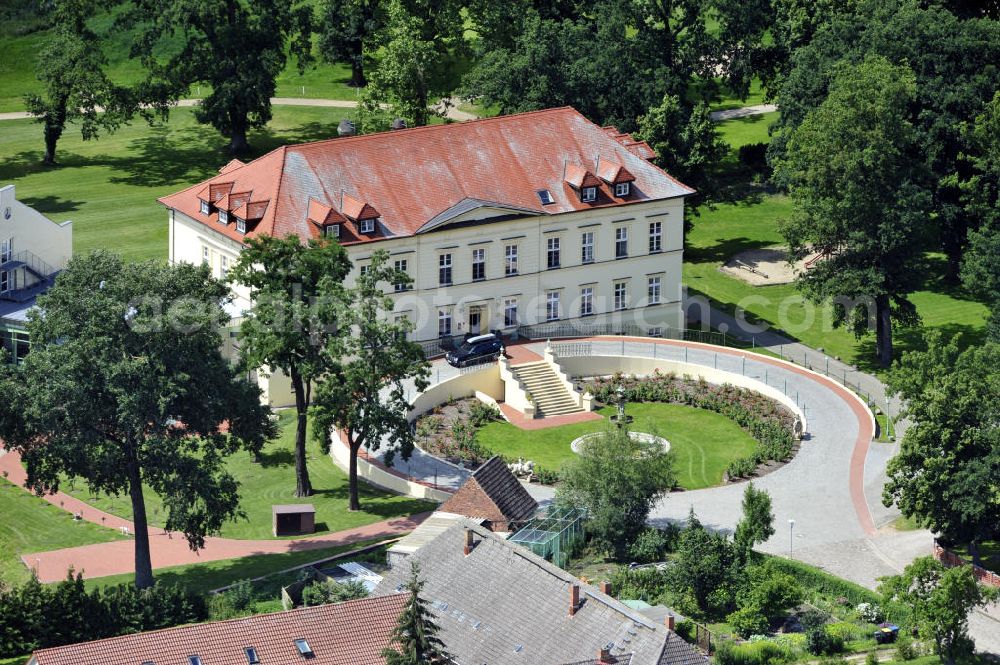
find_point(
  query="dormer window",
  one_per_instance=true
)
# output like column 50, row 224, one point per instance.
column 367, row 225
column 241, row 225
column 205, row 208
column 623, row 189
column 223, row 216
column 588, row 194
column 332, row 231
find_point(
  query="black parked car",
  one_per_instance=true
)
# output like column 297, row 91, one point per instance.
column 479, row 349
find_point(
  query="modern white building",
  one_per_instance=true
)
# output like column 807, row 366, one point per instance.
column 33, row 249
column 534, row 219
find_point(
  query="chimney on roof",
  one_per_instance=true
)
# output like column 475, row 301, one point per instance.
column 605, row 587
column 669, row 621
column 604, row 656
column 574, row 598
column 469, row 542
column 346, row 128
column 398, row 123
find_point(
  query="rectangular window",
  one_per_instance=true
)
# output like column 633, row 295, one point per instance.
column 478, row 264
column 252, row 657
column 241, row 225
column 444, row 323
column 205, row 208
column 444, row 269
column 620, row 296
column 622, row 189
column 654, row 290
column 552, row 306
column 223, row 265
column 6, row 250
column 4, row 281
column 363, row 270
column 656, row 331
column 367, row 225
column 204, row 254
column 588, row 194
column 552, row 253
column 587, row 247
column 332, row 231
column 194, row 660
column 510, row 312
column 400, row 266
column 621, row 242
column 655, row 237
column 510, row 260
column 586, row 301
column 223, row 216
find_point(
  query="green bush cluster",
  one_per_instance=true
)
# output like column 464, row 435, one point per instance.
column 652, row 545
column 753, row 653
column 331, row 591
column 35, row 616
column 761, row 417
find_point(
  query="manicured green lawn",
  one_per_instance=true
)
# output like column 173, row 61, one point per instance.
column 731, row 101
column 703, row 443
column 744, row 131
column 202, row 577
column 30, row 524
column 18, row 660
column 273, row 482
column 109, row 187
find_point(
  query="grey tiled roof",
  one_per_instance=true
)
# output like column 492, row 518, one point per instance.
column 502, row 604
column 505, row 490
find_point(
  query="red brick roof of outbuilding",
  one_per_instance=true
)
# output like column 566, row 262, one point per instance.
column 349, row 633
column 411, row 176
column 492, row 492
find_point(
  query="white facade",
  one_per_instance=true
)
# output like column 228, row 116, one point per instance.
column 27, row 234
column 620, row 264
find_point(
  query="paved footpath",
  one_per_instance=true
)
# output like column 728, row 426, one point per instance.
column 166, row 549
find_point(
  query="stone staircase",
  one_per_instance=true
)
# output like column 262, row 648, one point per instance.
column 548, row 393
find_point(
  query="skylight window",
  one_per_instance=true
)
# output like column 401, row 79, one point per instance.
column 545, row 197
column 194, row 660
column 304, row 648
column 252, row 657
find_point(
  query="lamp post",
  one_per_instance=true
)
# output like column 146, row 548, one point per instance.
column 791, row 531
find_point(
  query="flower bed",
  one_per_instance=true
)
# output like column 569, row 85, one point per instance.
column 767, row 421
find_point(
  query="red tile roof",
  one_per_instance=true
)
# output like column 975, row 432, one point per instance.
column 613, row 172
column 579, row 176
column 411, row 176
column 349, row 633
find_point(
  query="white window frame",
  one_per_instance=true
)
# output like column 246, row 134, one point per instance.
column 367, row 225
column 510, row 312
column 510, row 260
column 621, row 242
column 206, row 256
column 622, row 189
column 552, row 306
column 4, row 281
column 621, row 296
column 445, row 268
column 587, row 247
column 223, row 216
column 653, row 289
column 223, row 265
column 241, row 225
column 332, row 231
column 479, row 261
column 655, row 237
column 586, row 300
column 444, row 323
column 205, row 208
column 553, row 249
column 363, row 270
column 6, row 250
column 401, row 265
column 588, row 194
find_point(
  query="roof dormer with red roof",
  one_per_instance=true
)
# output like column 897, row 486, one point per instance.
column 363, row 214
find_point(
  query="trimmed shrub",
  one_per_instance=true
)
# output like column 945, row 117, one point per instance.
column 747, row 621
column 651, row 546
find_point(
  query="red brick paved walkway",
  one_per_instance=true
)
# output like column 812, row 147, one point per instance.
column 118, row 557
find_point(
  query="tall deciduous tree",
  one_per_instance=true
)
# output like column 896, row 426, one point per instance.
column 853, row 171
column 618, row 480
column 75, row 86
column 365, row 396
column 941, row 599
column 948, row 467
column 237, row 47
column 757, row 523
column 349, row 32
column 125, row 387
column 298, row 313
column 704, row 565
column 415, row 639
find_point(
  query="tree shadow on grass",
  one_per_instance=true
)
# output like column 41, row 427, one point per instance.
column 279, row 457
column 724, row 250
column 51, row 205
column 378, row 502
column 915, row 339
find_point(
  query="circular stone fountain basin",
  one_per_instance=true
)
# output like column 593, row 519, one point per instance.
column 635, row 436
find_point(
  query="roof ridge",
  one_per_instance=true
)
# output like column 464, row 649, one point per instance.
column 252, row 617
column 411, row 130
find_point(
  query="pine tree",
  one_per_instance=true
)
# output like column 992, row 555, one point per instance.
column 415, row 635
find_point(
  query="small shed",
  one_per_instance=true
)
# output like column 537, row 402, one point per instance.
column 293, row 519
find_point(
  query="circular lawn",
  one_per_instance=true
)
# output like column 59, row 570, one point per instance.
column 702, row 442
